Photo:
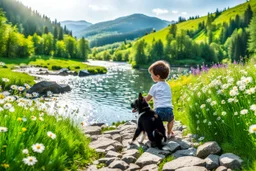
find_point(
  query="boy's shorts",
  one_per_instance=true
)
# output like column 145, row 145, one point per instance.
column 165, row 113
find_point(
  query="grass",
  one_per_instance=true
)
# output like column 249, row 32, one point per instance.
column 218, row 105
column 15, row 78
column 26, row 127
column 165, row 160
column 54, row 63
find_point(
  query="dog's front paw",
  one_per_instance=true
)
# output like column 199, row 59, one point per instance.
column 131, row 142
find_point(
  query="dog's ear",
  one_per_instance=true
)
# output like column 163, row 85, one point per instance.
column 140, row 97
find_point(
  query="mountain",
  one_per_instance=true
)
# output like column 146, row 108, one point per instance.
column 75, row 26
column 125, row 24
column 123, row 28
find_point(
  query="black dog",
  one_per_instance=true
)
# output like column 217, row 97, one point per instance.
column 149, row 122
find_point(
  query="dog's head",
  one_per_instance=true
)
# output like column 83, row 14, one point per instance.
column 139, row 104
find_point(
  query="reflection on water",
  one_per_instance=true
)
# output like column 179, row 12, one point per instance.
column 103, row 98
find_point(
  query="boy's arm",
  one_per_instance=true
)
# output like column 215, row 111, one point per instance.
column 148, row 97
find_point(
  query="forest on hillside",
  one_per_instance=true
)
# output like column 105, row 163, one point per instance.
column 25, row 32
column 230, row 40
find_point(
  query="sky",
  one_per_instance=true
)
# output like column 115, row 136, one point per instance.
column 102, row 10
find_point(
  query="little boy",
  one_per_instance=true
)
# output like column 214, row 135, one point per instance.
column 161, row 93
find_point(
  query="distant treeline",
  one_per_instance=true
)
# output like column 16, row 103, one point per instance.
column 119, row 37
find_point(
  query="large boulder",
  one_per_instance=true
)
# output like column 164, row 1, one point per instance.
column 151, row 156
column 44, row 86
column 231, row 161
column 208, row 148
column 83, row 73
column 181, row 162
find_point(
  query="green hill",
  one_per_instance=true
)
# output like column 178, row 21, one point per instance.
column 219, row 36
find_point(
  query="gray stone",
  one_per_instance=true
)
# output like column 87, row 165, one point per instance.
column 117, row 137
column 151, row 156
column 108, row 169
column 221, row 168
column 103, row 143
column 83, row 73
column 151, row 167
column 113, row 154
column 231, row 161
column 133, row 167
column 181, row 153
column 119, row 164
column 110, row 148
column 193, row 168
column 128, row 159
column 100, row 151
column 181, row 162
column 44, row 86
column 106, row 161
column 92, row 130
column 208, row 148
column 212, row 161
column 112, row 132
column 184, row 144
column 171, row 146
column 132, row 152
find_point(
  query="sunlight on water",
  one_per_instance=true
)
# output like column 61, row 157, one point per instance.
column 103, row 98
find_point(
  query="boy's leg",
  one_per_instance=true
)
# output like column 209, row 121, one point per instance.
column 169, row 127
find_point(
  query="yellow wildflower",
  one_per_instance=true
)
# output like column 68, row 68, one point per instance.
column 5, row 165
column 19, row 119
column 24, row 129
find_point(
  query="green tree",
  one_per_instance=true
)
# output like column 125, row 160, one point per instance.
column 252, row 37
column 70, row 44
column 83, row 48
column 140, row 57
column 173, row 30
column 47, row 44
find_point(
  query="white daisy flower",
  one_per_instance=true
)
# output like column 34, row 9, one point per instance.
column 35, row 94
column 223, row 113
column 230, row 100
column 202, row 106
column 14, row 87
column 5, row 80
column 30, row 160
column 213, row 103
column 236, row 113
column 25, row 151
column 253, row 107
column 218, row 118
column 209, row 100
column 252, row 129
column 223, row 102
column 3, row 129
column 12, row 109
column 39, row 148
column 33, row 118
column 21, row 88
column 51, row 135
column 233, row 92
column 244, row 111
column 7, row 106
column 242, row 88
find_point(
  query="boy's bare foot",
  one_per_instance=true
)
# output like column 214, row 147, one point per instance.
column 170, row 135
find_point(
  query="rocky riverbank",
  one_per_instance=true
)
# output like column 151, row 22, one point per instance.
column 188, row 153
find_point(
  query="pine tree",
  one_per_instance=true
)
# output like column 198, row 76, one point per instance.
column 61, row 34
column 46, row 31
column 248, row 14
column 173, row 30
column 252, row 39
column 55, row 33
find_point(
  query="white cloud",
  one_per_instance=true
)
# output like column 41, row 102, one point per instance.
column 184, row 13
column 159, row 11
column 98, row 8
column 174, row 12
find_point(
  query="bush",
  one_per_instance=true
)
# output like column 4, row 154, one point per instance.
column 54, row 67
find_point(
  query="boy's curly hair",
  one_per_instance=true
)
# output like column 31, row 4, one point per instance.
column 160, row 68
